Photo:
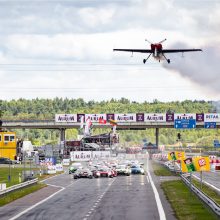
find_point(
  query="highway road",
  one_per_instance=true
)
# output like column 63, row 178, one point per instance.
column 212, row 178
column 123, row 197
column 105, row 198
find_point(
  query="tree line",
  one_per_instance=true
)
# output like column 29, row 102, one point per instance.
column 47, row 108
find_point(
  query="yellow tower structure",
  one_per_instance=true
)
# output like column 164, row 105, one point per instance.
column 8, row 145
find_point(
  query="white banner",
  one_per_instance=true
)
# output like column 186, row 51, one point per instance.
column 185, row 116
column 66, row 118
column 212, row 117
column 152, row 117
column 98, row 154
column 88, row 155
column 95, row 117
column 125, row 117
column 80, row 155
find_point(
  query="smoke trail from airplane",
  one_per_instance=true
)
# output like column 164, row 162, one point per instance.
column 202, row 68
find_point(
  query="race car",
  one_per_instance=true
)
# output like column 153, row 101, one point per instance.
column 137, row 169
column 103, row 172
column 83, row 173
column 123, row 170
column 73, row 168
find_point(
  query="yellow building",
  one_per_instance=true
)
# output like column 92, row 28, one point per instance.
column 8, row 144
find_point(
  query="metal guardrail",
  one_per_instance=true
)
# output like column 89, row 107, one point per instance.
column 212, row 204
column 18, row 186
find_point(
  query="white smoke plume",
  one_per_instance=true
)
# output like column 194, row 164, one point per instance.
column 202, row 68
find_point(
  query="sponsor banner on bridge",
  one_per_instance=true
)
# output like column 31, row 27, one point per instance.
column 199, row 117
column 88, row 155
column 95, row 117
column 140, row 117
column 125, row 117
column 180, row 116
column 212, row 117
column 153, row 117
column 66, row 118
column 170, row 117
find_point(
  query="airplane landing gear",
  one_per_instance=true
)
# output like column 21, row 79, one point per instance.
column 168, row 60
column 144, row 60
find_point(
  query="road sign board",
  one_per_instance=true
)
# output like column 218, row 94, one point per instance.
column 210, row 125
column 184, row 123
column 216, row 143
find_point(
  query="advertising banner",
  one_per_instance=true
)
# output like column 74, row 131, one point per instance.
column 195, row 164
column 176, row 155
column 81, row 155
column 152, row 117
column 95, row 117
column 88, row 155
column 140, row 117
column 199, row 117
column 212, row 117
column 201, row 163
column 169, row 117
column 180, row 116
column 100, row 154
column 66, row 118
column 125, row 117
column 172, row 156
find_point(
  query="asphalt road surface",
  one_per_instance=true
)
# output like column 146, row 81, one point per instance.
column 212, row 178
column 104, row 198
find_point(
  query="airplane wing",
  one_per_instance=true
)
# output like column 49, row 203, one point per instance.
column 180, row 50
column 134, row 50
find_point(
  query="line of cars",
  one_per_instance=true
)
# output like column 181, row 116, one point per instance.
column 110, row 169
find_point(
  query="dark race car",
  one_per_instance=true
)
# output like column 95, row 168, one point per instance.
column 83, row 173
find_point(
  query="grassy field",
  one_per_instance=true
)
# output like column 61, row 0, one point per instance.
column 185, row 204
column 208, row 191
column 9, row 197
column 160, row 170
column 14, row 174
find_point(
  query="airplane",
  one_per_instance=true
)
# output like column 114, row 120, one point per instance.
column 157, row 51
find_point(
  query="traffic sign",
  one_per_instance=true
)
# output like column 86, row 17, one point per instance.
column 216, row 143
column 184, row 123
column 210, row 125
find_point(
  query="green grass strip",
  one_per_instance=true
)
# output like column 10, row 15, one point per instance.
column 9, row 197
column 185, row 204
column 208, row 191
column 160, row 170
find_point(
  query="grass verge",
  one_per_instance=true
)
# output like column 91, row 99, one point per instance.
column 208, row 191
column 9, row 197
column 160, row 170
column 185, row 204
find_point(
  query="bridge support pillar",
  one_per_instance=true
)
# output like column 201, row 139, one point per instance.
column 157, row 137
column 62, row 140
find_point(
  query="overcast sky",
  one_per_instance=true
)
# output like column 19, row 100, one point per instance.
column 64, row 48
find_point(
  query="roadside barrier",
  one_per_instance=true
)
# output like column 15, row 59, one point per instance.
column 212, row 204
column 18, row 186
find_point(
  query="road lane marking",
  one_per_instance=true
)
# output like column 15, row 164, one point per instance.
column 50, row 177
column 148, row 179
column 156, row 194
column 209, row 184
column 96, row 203
column 35, row 205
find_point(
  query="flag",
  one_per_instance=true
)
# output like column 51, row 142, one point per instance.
column 88, row 126
column 102, row 121
column 112, row 122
